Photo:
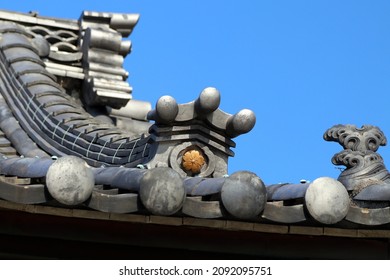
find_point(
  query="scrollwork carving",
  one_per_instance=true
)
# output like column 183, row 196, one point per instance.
column 363, row 164
column 362, row 168
column 366, row 138
column 356, row 159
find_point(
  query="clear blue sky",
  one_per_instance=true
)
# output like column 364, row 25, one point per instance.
column 301, row 66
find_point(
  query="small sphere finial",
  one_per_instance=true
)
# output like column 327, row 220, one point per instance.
column 208, row 100
column 167, row 108
column 241, row 123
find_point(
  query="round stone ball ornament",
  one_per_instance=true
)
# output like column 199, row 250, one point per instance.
column 70, row 180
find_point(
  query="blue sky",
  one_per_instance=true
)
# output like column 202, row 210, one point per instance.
column 301, row 66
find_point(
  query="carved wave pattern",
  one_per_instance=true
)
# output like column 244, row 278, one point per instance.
column 356, row 159
column 366, row 138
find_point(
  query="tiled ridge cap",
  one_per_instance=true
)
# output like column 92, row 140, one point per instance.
column 35, row 19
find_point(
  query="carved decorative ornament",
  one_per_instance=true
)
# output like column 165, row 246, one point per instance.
column 193, row 161
column 366, row 138
column 364, row 166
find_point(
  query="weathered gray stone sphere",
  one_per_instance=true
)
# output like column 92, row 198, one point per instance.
column 70, row 180
column 241, row 123
column 327, row 200
column 244, row 195
column 244, row 121
column 167, row 108
column 162, row 191
column 209, row 99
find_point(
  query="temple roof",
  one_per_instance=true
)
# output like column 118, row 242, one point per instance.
column 74, row 143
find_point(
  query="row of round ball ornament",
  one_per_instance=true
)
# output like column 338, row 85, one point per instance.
column 71, row 181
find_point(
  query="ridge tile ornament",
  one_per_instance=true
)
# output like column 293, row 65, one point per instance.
column 366, row 178
column 200, row 124
column 364, row 166
column 51, row 88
